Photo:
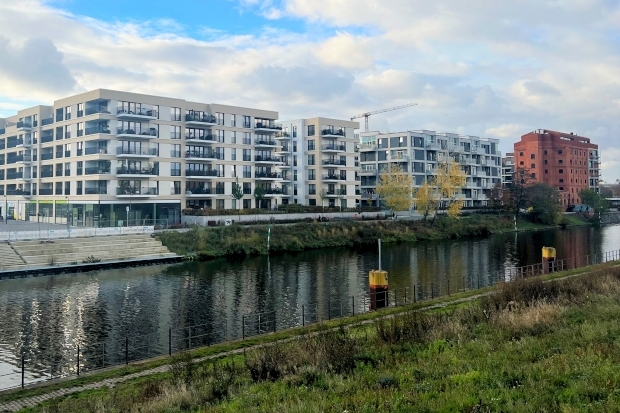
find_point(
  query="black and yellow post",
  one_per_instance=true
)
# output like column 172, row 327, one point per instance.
column 548, row 259
column 378, row 280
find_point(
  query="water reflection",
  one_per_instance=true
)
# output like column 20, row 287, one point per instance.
column 48, row 317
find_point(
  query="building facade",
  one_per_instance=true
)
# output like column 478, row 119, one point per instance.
column 419, row 153
column 566, row 161
column 322, row 161
column 105, row 156
column 508, row 169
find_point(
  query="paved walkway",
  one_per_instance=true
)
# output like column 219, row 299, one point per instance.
column 17, row 405
column 12, row 225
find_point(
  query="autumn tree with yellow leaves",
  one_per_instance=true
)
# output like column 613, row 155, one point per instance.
column 394, row 188
column 443, row 189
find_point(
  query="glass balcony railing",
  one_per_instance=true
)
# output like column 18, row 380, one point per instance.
column 135, row 190
column 268, row 175
column 97, row 129
column 194, row 117
column 137, row 151
column 123, row 170
column 152, row 113
column 205, row 172
column 333, row 132
column 96, row 191
column 199, row 191
column 266, row 125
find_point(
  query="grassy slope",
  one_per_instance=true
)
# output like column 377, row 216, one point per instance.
column 531, row 347
column 222, row 241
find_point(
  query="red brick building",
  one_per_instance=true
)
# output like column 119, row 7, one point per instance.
column 568, row 162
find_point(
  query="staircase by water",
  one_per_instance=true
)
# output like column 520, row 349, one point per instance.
column 78, row 250
column 9, row 259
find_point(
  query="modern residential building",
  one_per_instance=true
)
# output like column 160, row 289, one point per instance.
column 508, row 169
column 419, row 152
column 105, row 156
column 320, row 161
column 566, row 161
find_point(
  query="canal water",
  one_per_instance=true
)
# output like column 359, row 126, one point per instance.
column 106, row 312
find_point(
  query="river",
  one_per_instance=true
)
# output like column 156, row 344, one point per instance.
column 47, row 318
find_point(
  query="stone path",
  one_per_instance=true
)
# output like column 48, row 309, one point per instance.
column 17, row 405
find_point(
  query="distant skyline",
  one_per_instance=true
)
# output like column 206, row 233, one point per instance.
column 486, row 68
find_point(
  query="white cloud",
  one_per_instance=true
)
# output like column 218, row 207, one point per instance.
column 481, row 67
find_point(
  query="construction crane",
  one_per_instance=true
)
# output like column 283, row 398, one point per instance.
column 367, row 114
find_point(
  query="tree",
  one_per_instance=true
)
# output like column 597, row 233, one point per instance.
column 594, row 201
column 496, row 197
column 259, row 195
column 341, row 194
column 323, row 195
column 544, row 201
column 394, row 188
column 449, row 181
column 237, row 193
column 425, row 199
column 518, row 195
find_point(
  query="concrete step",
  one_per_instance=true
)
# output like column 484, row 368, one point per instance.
column 8, row 257
column 102, row 255
column 49, row 249
column 85, row 240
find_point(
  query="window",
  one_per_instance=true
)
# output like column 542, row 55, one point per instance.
column 533, row 175
column 546, row 171
column 247, row 155
column 246, row 122
column 175, row 132
column 219, row 189
column 68, row 113
column 312, row 202
column 545, row 152
column 311, row 145
column 175, row 114
column 294, row 146
column 67, row 188
column 545, row 162
column 233, row 154
column 532, row 156
column 80, row 167
column 533, row 166
column 220, row 118
column 233, row 137
column 219, row 203
column 295, row 175
column 220, row 136
column 312, row 189
column 175, row 187
column 311, row 174
column 67, row 150
column 311, row 160
column 560, row 161
column 294, row 131
column 521, row 163
column 175, row 152
column 247, row 188
column 175, row 169
column 233, row 120
column 80, row 129
column 247, row 138
column 561, row 181
column 247, row 171
column 520, row 153
column 559, row 151
column 295, row 190
column 80, row 110
column 561, row 171
column 561, row 188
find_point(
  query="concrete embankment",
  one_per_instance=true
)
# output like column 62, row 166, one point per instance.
column 36, row 257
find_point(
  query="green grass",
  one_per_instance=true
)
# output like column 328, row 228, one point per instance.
column 533, row 346
column 215, row 242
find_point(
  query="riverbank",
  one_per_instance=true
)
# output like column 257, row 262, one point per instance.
column 208, row 243
column 532, row 346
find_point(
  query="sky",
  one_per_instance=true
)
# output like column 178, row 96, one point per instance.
column 488, row 68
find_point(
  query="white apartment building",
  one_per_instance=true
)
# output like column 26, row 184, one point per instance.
column 419, row 152
column 105, row 156
column 321, row 153
column 508, row 169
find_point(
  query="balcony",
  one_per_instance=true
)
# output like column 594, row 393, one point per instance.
column 49, row 137
column 368, row 147
column 200, row 174
column 96, row 191
column 267, row 176
column 96, row 170
column 369, row 171
column 200, row 121
column 264, row 143
column 284, row 150
column 136, row 134
column 334, row 162
column 334, row 148
column 123, row 171
column 332, row 133
column 138, row 114
column 19, row 159
column 24, row 126
column 24, row 143
column 283, row 135
column 136, row 152
column 267, row 127
column 334, row 178
column 199, row 192
column 208, row 139
column 97, row 110
column 135, row 192
column 97, row 129
column 46, row 191
column 274, row 192
column 207, row 156
column 47, row 173
column 399, row 157
column 19, row 192
column 96, row 151
column 14, row 175
column 336, row 193
column 267, row 160
column 47, row 121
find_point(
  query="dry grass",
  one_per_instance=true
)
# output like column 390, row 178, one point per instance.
column 538, row 314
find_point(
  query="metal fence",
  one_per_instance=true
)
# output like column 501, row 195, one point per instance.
column 33, row 368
